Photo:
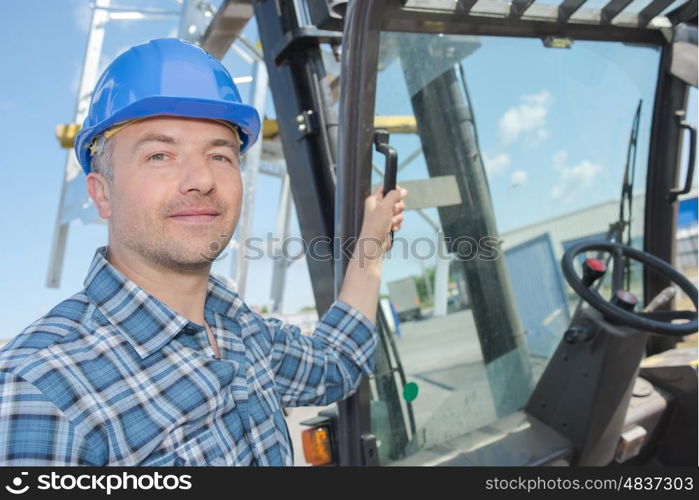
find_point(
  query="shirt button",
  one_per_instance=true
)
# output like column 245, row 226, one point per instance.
column 179, row 461
column 190, row 330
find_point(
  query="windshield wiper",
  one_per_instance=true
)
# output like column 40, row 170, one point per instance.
column 622, row 225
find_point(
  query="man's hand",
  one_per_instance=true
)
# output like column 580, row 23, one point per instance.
column 383, row 214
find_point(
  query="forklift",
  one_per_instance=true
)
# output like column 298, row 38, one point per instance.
column 554, row 327
column 616, row 384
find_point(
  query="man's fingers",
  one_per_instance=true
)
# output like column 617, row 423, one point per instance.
column 377, row 194
column 392, row 197
column 396, row 195
column 397, row 221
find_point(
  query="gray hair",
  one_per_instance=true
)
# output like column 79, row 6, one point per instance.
column 101, row 161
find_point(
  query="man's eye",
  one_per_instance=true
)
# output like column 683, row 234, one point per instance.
column 157, row 157
column 220, row 158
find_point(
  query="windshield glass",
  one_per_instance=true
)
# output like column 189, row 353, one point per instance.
column 512, row 151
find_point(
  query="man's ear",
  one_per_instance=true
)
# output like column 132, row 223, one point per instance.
column 98, row 189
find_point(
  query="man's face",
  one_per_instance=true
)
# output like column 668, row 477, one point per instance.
column 176, row 193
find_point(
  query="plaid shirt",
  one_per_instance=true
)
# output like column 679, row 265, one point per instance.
column 112, row 376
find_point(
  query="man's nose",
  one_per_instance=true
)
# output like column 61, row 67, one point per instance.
column 197, row 176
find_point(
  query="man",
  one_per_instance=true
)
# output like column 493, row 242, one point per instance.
column 155, row 361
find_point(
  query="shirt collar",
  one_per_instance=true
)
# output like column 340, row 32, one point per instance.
column 146, row 322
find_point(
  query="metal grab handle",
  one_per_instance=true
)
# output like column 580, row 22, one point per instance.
column 676, row 192
column 391, row 169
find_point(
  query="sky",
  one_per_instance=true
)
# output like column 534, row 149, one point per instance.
column 41, row 51
column 553, row 125
column 545, row 153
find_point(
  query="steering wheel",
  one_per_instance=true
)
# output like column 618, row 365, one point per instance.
column 655, row 322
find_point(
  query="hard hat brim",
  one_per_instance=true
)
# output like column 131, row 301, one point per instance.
column 245, row 117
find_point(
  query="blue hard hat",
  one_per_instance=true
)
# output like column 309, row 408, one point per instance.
column 170, row 77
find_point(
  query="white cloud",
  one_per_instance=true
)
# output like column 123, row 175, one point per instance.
column 518, row 178
column 82, row 14
column 572, row 179
column 560, row 159
column 526, row 119
column 496, row 165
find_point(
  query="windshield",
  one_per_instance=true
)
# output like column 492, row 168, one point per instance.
column 512, row 151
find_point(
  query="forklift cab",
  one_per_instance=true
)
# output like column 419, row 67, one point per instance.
column 541, row 143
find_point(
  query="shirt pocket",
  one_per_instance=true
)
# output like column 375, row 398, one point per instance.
column 201, row 450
